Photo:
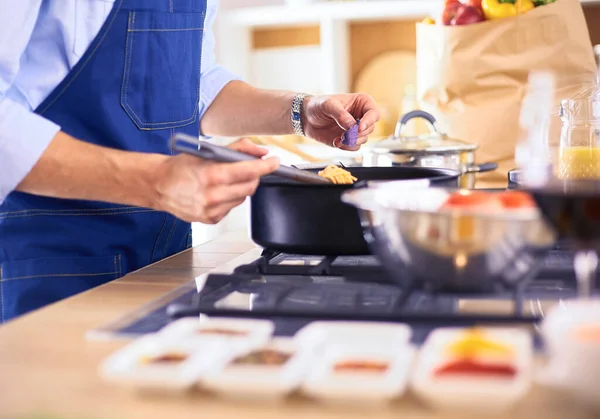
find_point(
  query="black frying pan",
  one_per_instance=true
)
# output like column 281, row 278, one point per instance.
column 296, row 211
column 292, row 217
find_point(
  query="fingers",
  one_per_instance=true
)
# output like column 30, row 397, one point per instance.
column 368, row 121
column 361, row 139
column 219, row 201
column 245, row 145
column 366, row 107
column 334, row 109
column 196, row 190
column 337, row 143
column 347, row 148
column 362, row 107
column 214, row 214
column 232, row 173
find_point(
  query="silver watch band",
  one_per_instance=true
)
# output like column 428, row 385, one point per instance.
column 296, row 114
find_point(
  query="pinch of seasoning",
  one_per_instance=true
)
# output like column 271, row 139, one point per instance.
column 351, row 135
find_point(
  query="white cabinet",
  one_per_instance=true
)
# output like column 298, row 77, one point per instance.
column 324, row 67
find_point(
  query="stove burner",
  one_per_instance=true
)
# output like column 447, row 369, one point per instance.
column 293, row 290
column 273, row 263
column 355, row 288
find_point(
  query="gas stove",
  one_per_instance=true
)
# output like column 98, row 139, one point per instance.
column 293, row 290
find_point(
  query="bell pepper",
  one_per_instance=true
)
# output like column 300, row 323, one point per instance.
column 500, row 9
column 474, row 343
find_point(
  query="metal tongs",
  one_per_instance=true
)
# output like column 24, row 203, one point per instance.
column 207, row 151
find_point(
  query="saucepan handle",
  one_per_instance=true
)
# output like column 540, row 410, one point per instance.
column 481, row 168
column 415, row 114
column 207, row 151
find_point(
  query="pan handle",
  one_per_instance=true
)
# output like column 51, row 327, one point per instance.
column 480, row 168
column 416, row 114
column 205, row 150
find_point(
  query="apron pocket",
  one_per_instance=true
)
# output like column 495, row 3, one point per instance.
column 29, row 284
column 162, row 66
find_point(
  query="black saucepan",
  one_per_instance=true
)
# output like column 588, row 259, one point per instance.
column 298, row 218
column 297, row 211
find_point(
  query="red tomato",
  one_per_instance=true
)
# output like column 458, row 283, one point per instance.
column 474, row 200
column 516, row 199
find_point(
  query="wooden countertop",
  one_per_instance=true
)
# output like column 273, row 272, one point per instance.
column 49, row 369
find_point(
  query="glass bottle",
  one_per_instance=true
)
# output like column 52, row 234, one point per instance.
column 531, row 153
column 579, row 153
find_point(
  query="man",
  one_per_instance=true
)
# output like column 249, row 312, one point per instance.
column 90, row 93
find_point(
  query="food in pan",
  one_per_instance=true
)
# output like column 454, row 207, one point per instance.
column 516, row 200
column 470, row 367
column 337, row 175
column 168, row 358
column 487, row 202
column 221, row 331
column 475, row 200
column 361, row 366
column 476, row 343
column 464, row 227
column 268, row 357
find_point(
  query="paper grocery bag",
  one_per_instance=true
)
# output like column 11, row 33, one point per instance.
column 472, row 78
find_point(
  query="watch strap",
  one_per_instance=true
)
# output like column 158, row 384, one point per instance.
column 296, row 114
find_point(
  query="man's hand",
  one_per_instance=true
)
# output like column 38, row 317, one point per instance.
column 185, row 186
column 241, row 109
column 326, row 118
column 195, row 190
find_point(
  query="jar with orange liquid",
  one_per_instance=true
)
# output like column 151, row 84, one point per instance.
column 579, row 151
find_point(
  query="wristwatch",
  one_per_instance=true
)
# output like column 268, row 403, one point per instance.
column 296, row 114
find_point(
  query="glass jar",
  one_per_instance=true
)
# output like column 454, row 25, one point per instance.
column 579, row 151
column 543, row 137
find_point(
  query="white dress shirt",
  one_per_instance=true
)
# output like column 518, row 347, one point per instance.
column 40, row 42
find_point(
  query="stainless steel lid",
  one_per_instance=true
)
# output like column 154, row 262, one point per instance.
column 436, row 142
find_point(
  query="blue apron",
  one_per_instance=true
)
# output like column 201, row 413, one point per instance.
column 138, row 83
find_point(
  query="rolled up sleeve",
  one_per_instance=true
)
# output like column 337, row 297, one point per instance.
column 24, row 135
column 214, row 76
